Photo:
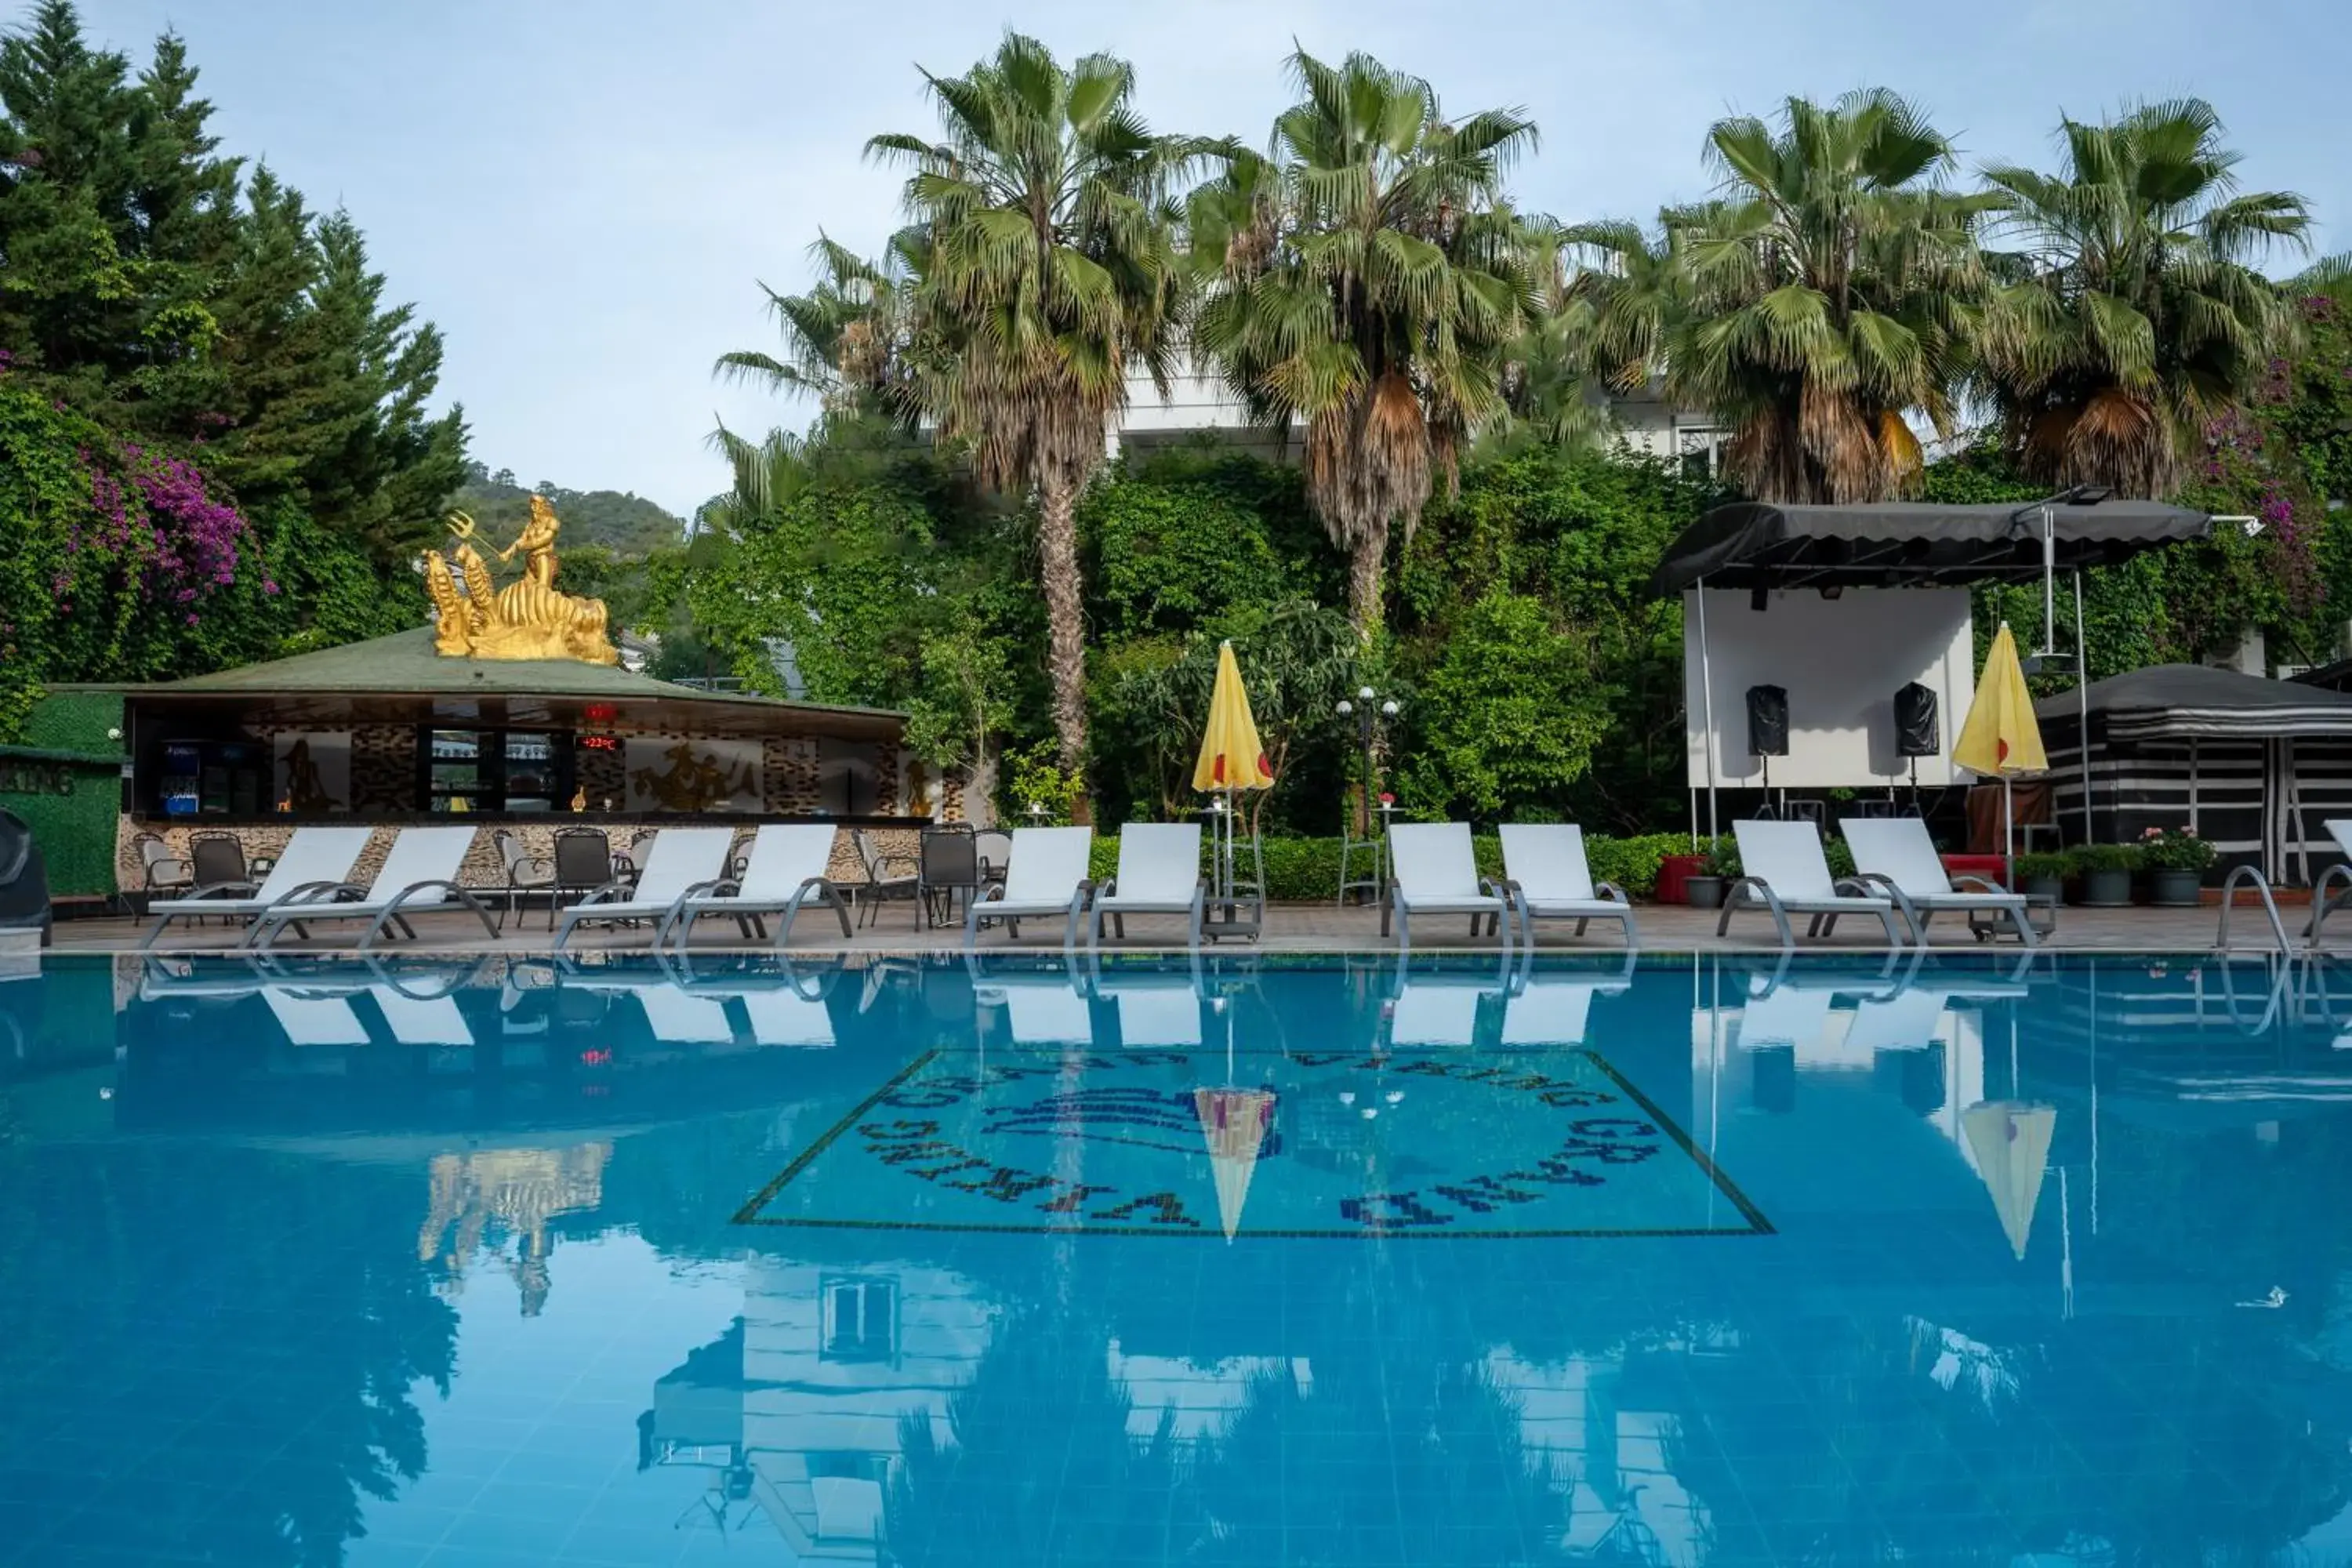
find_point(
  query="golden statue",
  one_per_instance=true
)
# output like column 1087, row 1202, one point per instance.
column 694, row 781
column 522, row 1191
column 528, row 618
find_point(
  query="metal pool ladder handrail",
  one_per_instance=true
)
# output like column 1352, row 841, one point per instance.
column 2270, row 907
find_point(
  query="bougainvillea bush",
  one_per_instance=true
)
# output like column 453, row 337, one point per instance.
column 127, row 562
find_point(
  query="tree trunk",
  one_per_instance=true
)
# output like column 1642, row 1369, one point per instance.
column 1057, row 550
column 1364, row 564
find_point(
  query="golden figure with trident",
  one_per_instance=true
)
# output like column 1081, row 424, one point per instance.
column 527, row 619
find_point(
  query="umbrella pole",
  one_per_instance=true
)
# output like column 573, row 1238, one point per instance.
column 1706, row 706
column 2008, row 836
column 2083, row 705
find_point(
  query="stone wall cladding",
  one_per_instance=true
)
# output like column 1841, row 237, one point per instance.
column 482, row 867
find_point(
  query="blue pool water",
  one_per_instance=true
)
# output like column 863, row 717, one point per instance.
column 1703, row 1261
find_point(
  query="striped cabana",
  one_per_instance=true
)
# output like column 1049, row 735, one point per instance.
column 2254, row 764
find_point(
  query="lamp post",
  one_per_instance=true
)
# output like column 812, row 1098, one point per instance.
column 1369, row 710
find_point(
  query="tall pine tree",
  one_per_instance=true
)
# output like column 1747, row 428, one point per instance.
column 148, row 281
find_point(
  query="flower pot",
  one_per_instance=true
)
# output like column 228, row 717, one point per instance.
column 1704, row 893
column 1674, row 872
column 2174, row 887
column 2042, row 886
column 2107, row 889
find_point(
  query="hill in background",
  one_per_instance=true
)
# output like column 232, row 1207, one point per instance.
column 625, row 524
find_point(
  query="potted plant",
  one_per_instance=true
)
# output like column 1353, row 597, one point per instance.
column 2105, row 873
column 2176, row 861
column 2044, row 875
column 1705, row 891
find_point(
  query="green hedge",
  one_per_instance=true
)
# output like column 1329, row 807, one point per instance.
column 71, row 809
column 1302, row 871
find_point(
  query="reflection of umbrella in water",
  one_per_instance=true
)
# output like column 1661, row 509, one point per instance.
column 2010, row 1140
column 1234, row 1121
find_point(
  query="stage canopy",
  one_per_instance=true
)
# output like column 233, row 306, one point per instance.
column 1897, row 545
column 2195, row 701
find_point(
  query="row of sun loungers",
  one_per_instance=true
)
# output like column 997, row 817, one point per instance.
column 686, row 878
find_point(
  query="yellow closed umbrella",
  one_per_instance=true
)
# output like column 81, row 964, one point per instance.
column 2000, row 738
column 1232, row 759
column 1231, row 756
column 2010, row 1140
column 1234, row 1121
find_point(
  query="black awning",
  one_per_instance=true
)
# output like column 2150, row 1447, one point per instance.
column 1897, row 545
column 2182, row 701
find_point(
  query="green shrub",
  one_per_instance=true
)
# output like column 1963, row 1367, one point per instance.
column 2106, row 858
column 2175, row 850
column 1722, row 856
column 1633, row 863
column 2045, row 864
column 1307, row 870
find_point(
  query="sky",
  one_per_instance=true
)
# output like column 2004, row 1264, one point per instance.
column 584, row 196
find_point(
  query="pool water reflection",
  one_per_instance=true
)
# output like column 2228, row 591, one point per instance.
column 1707, row 1262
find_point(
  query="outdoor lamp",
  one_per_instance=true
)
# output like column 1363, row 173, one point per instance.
column 1346, row 708
column 1389, row 709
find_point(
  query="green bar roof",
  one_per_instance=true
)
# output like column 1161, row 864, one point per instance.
column 405, row 664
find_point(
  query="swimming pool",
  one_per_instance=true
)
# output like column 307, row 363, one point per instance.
column 1694, row 1261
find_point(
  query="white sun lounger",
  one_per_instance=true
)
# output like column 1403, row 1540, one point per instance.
column 426, row 1019
column 1157, row 1010
column 1779, row 1014
column 681, row 858
column 1045, row 875
column 314, row 1018
column 1158, row 874
column 419, row 874
column 1440, row 1009
column 1547, row 877
column 1554, row 1007
column 1040, row 1007
column 784, row 1006
column 790, row 865
column 1783, row 870
column 784, row 1015
column 1894, row 853
column 1436, row 873
column 2323, row 901
column 313, row 856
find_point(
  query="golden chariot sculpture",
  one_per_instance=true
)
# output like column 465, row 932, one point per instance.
column 525, row 619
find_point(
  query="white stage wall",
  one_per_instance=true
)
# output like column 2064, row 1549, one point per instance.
column 1841, row 661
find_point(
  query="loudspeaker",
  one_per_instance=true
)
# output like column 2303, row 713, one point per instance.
column 1917, row 733
column 1767, row 721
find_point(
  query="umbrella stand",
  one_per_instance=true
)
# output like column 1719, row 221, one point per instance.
column 1224, row 917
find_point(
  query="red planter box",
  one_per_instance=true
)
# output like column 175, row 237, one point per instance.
column 1988, row 866
column 1675, row 873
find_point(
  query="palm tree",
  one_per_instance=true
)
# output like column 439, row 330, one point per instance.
column 1048, row 223
column 1367, row 280
column 1627, row 290
column 1831, row 289
column 844, row 341
column 2133, row 313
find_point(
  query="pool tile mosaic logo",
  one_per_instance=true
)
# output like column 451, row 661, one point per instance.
column 1161, row 1142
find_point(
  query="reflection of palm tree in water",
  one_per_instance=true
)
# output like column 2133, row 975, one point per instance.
column 1312, row 1475
column 276, row 1293
column 1042, row 1469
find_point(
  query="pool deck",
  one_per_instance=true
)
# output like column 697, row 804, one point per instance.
column 1290, row 928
